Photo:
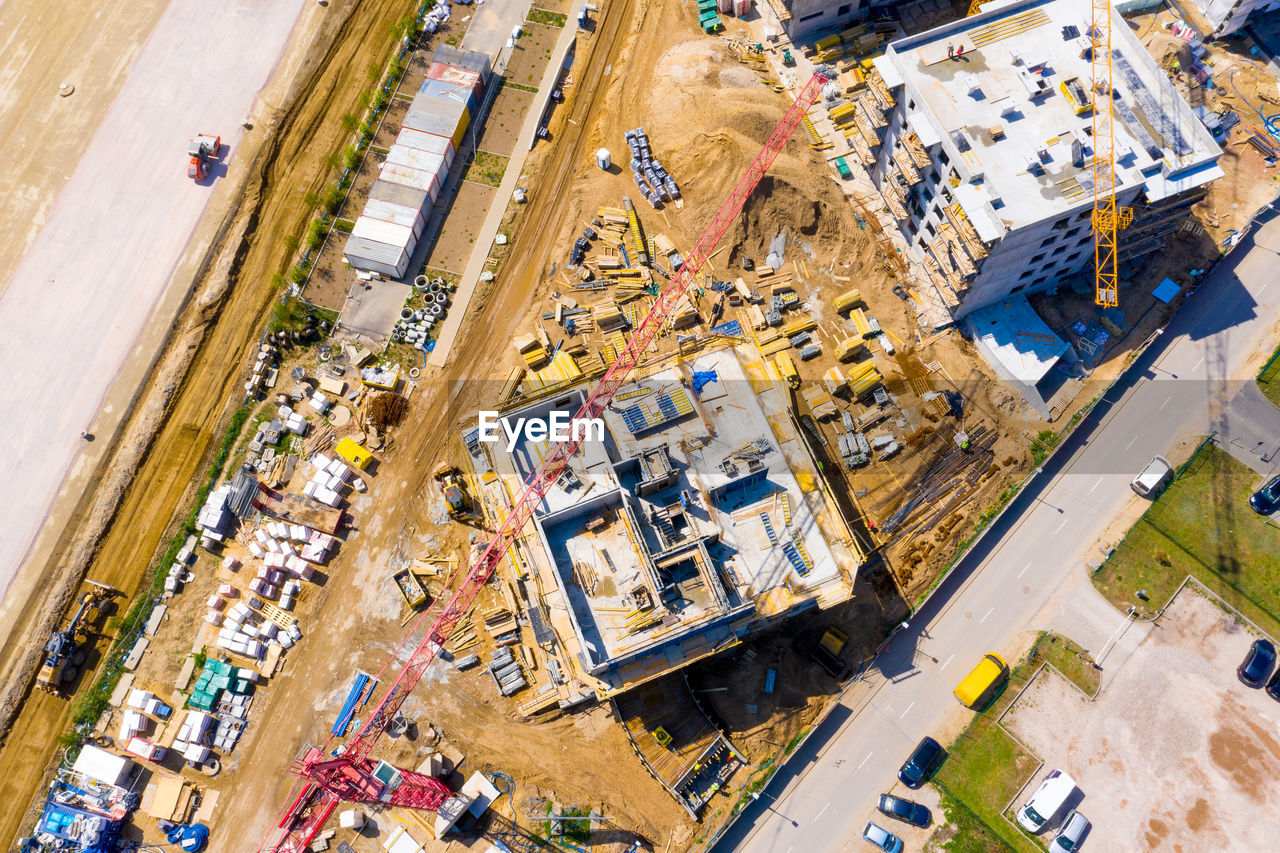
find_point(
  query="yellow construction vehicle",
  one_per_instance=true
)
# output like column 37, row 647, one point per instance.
column 63, row 654
column 456, row 496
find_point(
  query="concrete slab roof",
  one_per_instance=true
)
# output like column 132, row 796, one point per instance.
column 1014, row 109
column 1013, row 333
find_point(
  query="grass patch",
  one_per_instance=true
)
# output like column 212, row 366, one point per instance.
column 519, row 87
column 343, row 225
column 965, row 833
column 1201, row 526
column 984, row 769
column 1043, row 444
column 1064, row 655
column 550, row 19
column 486, row 168
column 1269, row 378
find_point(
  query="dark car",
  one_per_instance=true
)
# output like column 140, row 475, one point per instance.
column 1273, row 686
column 1267, row 499
column 1257, row 664
column 920, row 766
column 904, row 810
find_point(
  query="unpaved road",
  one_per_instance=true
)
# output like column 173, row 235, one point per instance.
column 201, row 371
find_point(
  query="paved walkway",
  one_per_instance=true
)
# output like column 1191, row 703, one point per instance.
column 484, row 240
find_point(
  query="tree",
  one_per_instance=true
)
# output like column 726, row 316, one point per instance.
column 350, row 122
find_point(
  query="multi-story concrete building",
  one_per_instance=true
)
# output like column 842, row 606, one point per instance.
column 803, row 18
column 982, row 143
column 1227, row 16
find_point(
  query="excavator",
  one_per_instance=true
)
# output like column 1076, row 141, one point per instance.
column 63, row 655
column 203, row 150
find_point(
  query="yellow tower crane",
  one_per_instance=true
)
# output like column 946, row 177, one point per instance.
column 1108, row 218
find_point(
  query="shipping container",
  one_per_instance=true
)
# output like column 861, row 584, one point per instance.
column 401, row 195
column 387, row 211
column 456, row 76
column 442, row 94
column 424, row 181
column 425, row 161
column 364, row 254
column 427, row 142
column 452, row 127
column 381, row 231
column 468, row 59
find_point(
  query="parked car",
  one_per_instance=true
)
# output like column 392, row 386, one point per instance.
column 1154, row 477
column 1273, row 686
column 1047, row 801
column 882, row 838
column 923, row 761
column 904, row 810
column 1258, row 663
column 1267, row 499
column 1074, row 829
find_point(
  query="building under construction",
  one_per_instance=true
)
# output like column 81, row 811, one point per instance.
column 700, row 518
column 985, row 156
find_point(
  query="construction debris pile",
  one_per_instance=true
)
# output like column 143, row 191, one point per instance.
column 654, row 182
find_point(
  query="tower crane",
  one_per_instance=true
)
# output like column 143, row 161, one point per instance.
column 354, row 775
column 1108, row 218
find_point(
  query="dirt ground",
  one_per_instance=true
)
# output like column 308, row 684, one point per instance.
column 1176, row 753
column 202, row 368
column 532, row 52
column 505, row 117
column 467, row 211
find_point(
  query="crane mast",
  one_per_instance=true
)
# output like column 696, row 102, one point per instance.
column 1108, row 218
column 353, row 776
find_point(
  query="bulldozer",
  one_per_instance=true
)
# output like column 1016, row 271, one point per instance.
column 63, row 654
column 456, row 497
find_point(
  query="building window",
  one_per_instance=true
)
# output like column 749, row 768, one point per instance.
column 1072, row 233
column 911, row 105
column 1061, row 224
column 1071, row 257
column 1088, row 235
column 1016, row 289
column 1039, row 257
column 1084, row 214
column 1047, row 240
column 1026, row 275
column 845, row 9
column 942, row 155
column 814, row 15
column 1041, row 280
column 928, row 227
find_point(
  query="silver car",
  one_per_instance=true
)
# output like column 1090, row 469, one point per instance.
column 1074, row 829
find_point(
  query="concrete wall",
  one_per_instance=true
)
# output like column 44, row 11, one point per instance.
column 809, row 17
column 1227, row 16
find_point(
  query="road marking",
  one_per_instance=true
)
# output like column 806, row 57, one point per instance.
column 984, row 618
column 1131, row 441
column 1024, row 569
column 907, row 709
column 865, row 760
column 824, row 808
column 1167, row 399
column 1193, row 370
column 1095, row 485
column 949, row 660
column 1060, row 526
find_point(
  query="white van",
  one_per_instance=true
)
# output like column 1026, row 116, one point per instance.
column 1047, row 801
column 1153, row 478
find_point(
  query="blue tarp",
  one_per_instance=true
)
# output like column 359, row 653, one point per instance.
column 1166, row 290
column 355, row 698
column 701, row 378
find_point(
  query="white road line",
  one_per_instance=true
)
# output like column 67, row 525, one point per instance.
column 865, row 760
column 1131, row 441
column 949, row 660
column 1194, row 369
column 907, row 709
column 984, row 618
column 824, row 808
column 1024, row 569
column 1167, row 399
column 1095, row 485
column 1060, row 526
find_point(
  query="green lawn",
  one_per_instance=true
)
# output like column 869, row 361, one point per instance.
column 1269, row 378
column 965, row 833
column 486, row 168
column 1064, row 655
column 1202, row 525
column 984, row 769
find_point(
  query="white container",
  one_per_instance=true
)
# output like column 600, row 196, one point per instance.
column 603, row 159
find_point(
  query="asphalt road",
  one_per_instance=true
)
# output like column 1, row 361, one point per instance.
column 1029, row 567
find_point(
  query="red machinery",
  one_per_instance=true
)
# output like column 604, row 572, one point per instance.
column 353, row 776
column 202, row 150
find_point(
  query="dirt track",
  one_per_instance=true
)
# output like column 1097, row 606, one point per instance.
column 199, row 376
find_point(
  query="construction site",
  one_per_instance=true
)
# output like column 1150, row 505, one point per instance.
column 778, row 292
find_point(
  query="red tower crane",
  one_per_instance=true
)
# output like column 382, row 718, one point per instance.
column 353, row 776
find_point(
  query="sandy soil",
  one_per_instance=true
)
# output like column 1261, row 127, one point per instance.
column 1184, row 772
column 203, row 364
column 79, row 299
column 505, row 117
